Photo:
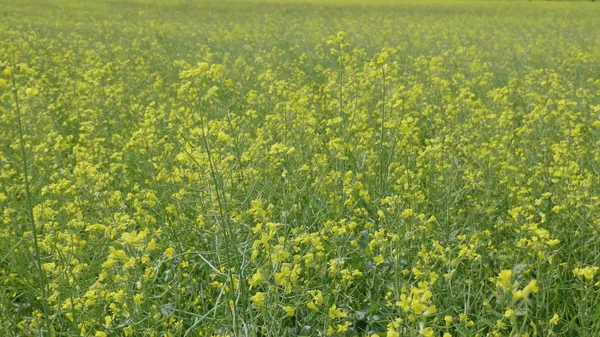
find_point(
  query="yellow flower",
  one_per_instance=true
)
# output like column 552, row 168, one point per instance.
column 130, row 263
column 432, row 309
column 509, row 313
column 31, row 92
column 334, row 312
column 151, row 246
column 256, row 279
column 531, row 287
column 169, row 252
column 258, row 299
column 100, row 334
column 406, row 213
column 118, row 254
column 428, row 332
column 555, row 319
column 404, row 302
column 202, row 67
column 290, row 311
column 138, row 299
column 343, row 327
column 448, row 320
column 134, row 238
column 392, row 333
column 504, row 279
column 312, row 306
column 48, row 267
column 587, row 272
column 378, row 259
column 318, row 297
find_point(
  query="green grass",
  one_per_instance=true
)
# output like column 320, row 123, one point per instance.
column 279, row 168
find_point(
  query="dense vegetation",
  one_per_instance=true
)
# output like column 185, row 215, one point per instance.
column 263, row 168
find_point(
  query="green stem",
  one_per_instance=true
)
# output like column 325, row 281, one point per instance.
column 34, row 229
column 228, row 233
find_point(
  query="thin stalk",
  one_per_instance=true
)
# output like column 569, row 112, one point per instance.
column 29, row 209
column 342, row 129
column 382, row 136
column 228, row 234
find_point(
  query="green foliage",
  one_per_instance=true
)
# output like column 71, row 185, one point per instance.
column 279, row 168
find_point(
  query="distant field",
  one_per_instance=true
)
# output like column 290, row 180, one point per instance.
column 280, row 168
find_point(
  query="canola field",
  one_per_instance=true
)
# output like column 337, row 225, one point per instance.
column 299, row 168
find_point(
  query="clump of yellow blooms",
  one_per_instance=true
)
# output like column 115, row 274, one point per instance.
column 331, row 168
column 587, row 273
